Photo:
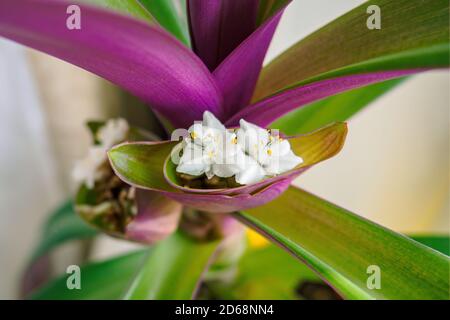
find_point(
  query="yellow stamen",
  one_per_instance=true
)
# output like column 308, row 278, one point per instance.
column 269, row 152
column 234, row 140
column 193, row 135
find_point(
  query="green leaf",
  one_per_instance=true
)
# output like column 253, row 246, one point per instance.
column 266, row 273
column 166, row 14
column 142, row 163
column 319, row 145
column 130, row 7
column 339, row 107
column 413, row 34
column 267, row 8
column 102, row 280
column 62, row 226
column 173, row 269
column 151, row 11
column 440, row 243
column 340, row 246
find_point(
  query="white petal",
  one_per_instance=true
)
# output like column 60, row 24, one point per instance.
column 249, row 126
column 289, row 161
column 225, row 170
column 196, row 133
column 87, row 170
column 209, row 120
column 176, row 152
column 252, row 139
column 252, row 173
column 211, row 135
column 282, row 164
column 194, row 168
column 273, row 151
column 283, row 147
column 226, row 147
column 114, row 131
column 192, row 153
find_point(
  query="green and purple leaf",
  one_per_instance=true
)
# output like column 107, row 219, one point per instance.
column 340, row 246
column 345, row 54
column 263, row 113
column 142, row 163
column 340, row 107
column 413, row 35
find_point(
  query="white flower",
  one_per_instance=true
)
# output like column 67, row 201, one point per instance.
column 250, row 154
column 91, row 168
column 114, row 131
column 210, row 149
column 271, row 153
column 88, row 170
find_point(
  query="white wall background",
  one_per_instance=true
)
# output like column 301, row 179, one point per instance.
column 394, row 168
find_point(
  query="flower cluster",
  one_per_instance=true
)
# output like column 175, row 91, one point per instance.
column 92, row 168
column 249, row 153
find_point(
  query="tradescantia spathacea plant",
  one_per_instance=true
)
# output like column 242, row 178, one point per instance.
column 205, row 64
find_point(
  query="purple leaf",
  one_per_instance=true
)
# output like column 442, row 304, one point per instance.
column 157, row 217
column 143, row 59
column 237, row 75
column 226, row 203
column 268, row 110
column 219, row 26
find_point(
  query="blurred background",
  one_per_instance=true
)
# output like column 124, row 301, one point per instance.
column 394, row 168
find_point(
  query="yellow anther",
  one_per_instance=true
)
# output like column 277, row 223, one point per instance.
column 193, row 135
column 234, row 140
column 269, row 152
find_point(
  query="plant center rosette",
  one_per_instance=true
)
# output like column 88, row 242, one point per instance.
column 198, row 173
column 202, row 172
